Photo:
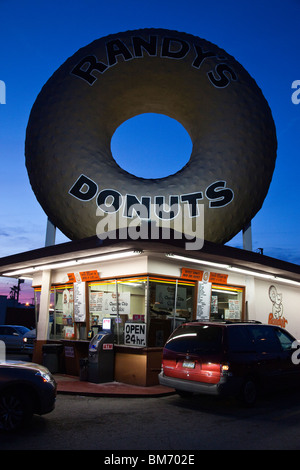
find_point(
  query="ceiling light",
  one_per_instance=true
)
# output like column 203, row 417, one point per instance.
column 75, row 262
column 109, row 257
column 250, row 273
column 19, row 271
column 234, row 269
column 197, row 261
column 287, row 281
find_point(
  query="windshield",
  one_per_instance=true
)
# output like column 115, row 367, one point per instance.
column 22, row 329
column 196, row 339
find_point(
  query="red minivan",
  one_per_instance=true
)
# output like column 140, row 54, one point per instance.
column 229, row 358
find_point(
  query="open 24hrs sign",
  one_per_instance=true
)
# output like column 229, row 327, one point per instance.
column 135, row 334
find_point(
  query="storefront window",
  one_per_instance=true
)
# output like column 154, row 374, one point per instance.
column 132, row 324
column 147, row 309
column 170, row 304
column 101, row 299
column 130, row 308
column 143, row 310
column 37, row 301
column 61, row 322
column 226, row 302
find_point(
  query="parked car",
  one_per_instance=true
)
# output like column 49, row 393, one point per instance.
column 238, row 359
column 12, row 335
column 25, row 389
column 28, row 341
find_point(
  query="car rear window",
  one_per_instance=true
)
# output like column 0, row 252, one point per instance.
column 196, row 339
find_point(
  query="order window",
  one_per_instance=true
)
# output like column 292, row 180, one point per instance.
column 226, row 302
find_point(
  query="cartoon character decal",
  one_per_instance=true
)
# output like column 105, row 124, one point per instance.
column 276, row 317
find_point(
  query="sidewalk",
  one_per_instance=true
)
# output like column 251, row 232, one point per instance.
column 71, row 385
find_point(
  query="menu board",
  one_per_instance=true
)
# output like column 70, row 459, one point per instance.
column 203, row 300
column 79, row 301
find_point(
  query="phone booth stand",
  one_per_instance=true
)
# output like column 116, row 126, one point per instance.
column 101, row 357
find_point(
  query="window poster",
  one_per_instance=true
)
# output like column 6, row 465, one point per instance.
column 106, row 303
column 67, row 302
column 96, row 302
column 79, row 301
column 214, row 304
column 234, row 310
column 165, row 296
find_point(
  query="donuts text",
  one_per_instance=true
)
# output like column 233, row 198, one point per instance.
column 111, row 200
column 170, row 48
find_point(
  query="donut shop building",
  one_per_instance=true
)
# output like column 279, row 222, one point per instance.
column 146, row 289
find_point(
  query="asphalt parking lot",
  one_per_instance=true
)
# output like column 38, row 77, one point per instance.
column 167, row 423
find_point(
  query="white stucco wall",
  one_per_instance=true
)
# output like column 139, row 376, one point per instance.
column 285, row 309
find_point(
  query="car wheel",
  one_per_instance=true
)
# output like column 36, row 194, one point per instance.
column 16, row 409
column 248, row 393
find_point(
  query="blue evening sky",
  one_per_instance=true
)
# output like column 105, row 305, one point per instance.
column 37, row 37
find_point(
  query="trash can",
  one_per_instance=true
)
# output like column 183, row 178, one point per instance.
column 51, row 356
column 84, row 369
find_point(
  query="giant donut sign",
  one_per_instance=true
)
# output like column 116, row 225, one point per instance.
column 68, row 155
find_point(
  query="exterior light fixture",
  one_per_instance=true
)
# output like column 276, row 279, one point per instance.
column 197, row 261
column 248, row 272
column 76, row 262
column 287, row 281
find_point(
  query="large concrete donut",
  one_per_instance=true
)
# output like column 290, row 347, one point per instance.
column 68, row 154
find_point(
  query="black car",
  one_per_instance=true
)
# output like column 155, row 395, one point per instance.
column 25, row 389
column 13, row 336
column 229, row 359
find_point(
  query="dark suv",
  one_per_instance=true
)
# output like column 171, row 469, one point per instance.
column 229, row 359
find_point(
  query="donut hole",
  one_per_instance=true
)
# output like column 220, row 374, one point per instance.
column 151, row 146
